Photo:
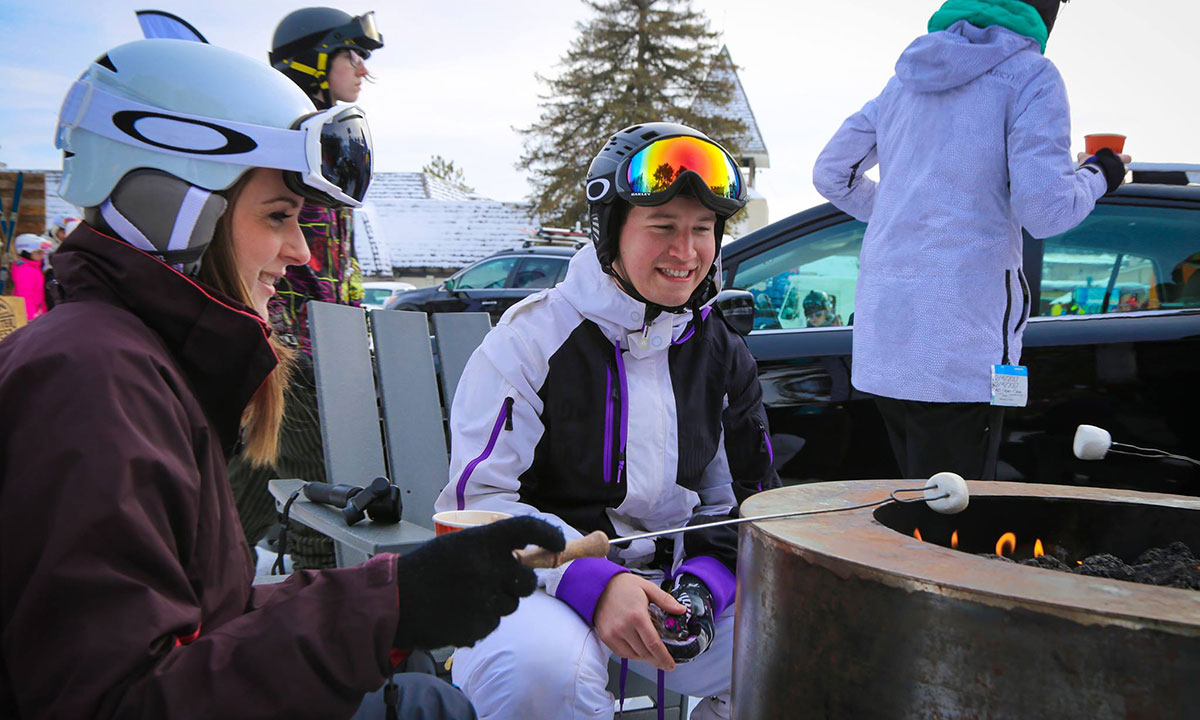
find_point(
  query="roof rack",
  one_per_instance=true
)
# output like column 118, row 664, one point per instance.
column 565, row 237
column 1164, row 173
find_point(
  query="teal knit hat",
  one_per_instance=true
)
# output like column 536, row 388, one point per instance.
column 1016, row 15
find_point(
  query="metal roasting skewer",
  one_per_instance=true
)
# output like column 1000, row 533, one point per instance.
column 597, row 543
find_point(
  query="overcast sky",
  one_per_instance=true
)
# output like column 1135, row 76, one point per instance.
column 456, row 77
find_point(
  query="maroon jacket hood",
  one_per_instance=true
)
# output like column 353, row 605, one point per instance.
column 221, row 345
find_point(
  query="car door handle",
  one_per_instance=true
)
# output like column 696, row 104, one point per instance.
column 488, row 302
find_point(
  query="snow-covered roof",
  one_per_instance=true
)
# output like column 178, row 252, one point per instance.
column 737, row 107
column 409, row 221
column 415, row 222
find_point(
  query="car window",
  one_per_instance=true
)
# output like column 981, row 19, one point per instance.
column 539, row 272
column 376, row 296
column 808, row 281
column 487, row 274
column 1123, row 258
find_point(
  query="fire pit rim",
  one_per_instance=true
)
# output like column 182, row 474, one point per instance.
column 855, row 542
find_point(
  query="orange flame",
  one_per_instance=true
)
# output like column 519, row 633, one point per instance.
column 954, row 539
column 1037, row 548
column 917, row 534
column 1007, row 540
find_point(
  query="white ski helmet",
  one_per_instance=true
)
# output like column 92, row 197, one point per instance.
column 30, row 243
column 205, row 115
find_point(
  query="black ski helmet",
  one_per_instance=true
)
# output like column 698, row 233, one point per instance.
column 306, row 39
column 1048, row 9
column 816, row 301
column 606, row 184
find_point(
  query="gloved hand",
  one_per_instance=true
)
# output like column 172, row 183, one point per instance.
column 689, row 634
column 455, row 588
column 1110, row 165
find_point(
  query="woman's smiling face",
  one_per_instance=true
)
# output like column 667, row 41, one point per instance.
column 665, row 252
column 266, row 235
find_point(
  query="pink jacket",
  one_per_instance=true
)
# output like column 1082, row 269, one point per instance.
column 29, row 283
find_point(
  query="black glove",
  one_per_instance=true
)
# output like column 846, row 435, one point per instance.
column 455, row 588
column 689, row 634
column 1110, row 165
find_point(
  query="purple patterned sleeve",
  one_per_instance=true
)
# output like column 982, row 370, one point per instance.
column 583, row 583
column 720, row 581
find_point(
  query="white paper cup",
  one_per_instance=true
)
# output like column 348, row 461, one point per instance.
column 453, row 520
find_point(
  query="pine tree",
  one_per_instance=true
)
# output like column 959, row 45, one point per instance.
column 635, row 61
column 440, row 167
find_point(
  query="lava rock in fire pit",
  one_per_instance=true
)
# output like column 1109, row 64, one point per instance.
column 1047, row 562
column 1172, row 566
column 1105, row 566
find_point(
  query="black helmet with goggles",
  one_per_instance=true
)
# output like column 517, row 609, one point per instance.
column 650, row 164
column 305, row 41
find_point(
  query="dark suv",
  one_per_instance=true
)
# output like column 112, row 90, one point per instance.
column 1114, row 341
column 494, row 283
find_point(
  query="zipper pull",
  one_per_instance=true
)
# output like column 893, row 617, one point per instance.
column 508, row 407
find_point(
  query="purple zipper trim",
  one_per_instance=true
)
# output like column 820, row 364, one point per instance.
column 662, row 682
column 608, row 411
column 704, row 311
column 770, row 450
column 624, row 409
column 621, row 685
column 466, row 475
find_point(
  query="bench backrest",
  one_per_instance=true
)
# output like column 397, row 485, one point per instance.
column 407, row 402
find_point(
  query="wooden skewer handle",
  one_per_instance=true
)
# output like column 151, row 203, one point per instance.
column 594, row 545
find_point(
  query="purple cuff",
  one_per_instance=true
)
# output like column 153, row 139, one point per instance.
column 720, row 581
column 583, row 583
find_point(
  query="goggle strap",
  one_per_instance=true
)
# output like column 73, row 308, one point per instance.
column 301, row 67
column 93, row 109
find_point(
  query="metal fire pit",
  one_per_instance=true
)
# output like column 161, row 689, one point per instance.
column 841, row 616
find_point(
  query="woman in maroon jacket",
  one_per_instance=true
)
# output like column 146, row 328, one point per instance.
column 125, row 585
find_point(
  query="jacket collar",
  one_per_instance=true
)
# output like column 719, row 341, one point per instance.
column 598, row 297
column 220, row 345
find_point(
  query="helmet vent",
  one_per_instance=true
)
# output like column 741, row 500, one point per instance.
column 650, row 135
column 635, row 128
column 622, row 154
column 106, row 62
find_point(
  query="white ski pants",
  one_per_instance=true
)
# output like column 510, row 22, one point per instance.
column 545, row 662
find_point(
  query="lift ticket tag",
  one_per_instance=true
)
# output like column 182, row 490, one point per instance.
column 1010, row 385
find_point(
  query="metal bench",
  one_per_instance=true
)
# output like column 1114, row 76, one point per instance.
column 387, row 418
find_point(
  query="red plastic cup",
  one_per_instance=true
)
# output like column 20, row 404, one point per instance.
column 455, row 520
column 1112, row 141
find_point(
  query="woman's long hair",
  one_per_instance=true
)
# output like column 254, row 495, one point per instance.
column 263, row 415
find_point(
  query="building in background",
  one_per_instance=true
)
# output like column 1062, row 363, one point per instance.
column 752, row 151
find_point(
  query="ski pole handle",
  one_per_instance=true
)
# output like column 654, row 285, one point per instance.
column 593, row 545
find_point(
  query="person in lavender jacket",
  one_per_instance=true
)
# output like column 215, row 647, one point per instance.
column 617, row 401
column 972, row 139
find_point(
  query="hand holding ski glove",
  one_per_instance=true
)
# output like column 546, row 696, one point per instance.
column 1111, row 165
column 687, row 636
column 454, row 589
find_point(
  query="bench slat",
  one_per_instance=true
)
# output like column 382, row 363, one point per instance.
column 346, row 398
column 458, row 334
column 412, row 411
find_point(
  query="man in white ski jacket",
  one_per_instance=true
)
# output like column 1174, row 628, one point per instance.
column 972, row 138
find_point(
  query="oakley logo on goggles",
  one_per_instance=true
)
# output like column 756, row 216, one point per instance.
column 649, row 175
column 326, row 156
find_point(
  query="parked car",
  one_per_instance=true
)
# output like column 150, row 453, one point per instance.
column 1114, row 341
column 494, row 283
column 377, row 293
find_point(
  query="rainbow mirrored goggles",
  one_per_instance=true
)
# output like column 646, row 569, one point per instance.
column 657, row 172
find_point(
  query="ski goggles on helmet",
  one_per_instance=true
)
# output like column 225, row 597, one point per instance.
column 657, row 172
column 326, row 156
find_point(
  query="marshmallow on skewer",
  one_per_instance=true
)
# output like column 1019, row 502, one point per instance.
column 1091, row 442
column 953, row 487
